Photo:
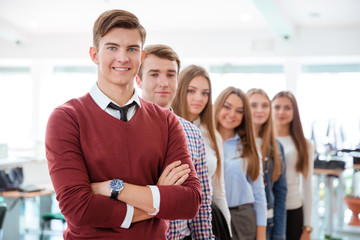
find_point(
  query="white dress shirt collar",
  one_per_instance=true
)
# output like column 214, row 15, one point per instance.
column 103, row 101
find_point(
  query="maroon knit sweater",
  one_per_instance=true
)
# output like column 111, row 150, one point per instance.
column 84, row 144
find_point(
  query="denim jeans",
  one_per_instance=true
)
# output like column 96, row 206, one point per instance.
column 269, row 228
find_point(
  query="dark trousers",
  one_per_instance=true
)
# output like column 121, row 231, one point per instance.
column 219, row 224
column 294, row 223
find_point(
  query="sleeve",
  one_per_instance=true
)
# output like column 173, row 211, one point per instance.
column 70, row 178
column 219, row 196
column 179, row 202
column 307, row 187
column 201, row 226
column 260, row 198
column 280, row 191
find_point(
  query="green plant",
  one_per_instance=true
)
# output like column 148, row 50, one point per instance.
column 329, row 237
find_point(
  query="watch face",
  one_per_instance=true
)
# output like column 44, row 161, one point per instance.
column 116, row 184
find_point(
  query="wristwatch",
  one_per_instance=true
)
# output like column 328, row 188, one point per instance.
column 308, row 228
column 116, row 185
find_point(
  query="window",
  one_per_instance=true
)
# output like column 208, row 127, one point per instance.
column 16, row 94
column 328, row 101
column 64, row 84
column 271, row 83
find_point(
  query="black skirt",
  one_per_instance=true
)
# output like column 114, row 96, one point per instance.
column 219, row 224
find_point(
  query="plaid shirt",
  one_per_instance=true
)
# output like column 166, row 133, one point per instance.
column 200, row 227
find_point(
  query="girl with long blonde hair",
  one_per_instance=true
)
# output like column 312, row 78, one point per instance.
column 299, row 165
column 273, row 162
column 244, row 185
column 193, row 102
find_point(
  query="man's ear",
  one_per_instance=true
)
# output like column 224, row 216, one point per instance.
column 143, row 55
column 138, row 81
column 94, row 55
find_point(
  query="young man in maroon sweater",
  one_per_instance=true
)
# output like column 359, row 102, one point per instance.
column 109, row 167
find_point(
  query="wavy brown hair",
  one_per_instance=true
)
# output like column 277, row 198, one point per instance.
column 180, row 107
column 268, row 145
column 245, row 130
column 297, row 135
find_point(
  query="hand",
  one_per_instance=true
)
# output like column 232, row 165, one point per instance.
column 260, row 232
column 174, row 174
column 102, row 188
column 305, row 235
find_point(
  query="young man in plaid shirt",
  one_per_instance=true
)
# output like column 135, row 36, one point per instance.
column 158, row 79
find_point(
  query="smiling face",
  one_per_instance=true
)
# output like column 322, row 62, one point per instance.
column 197, row 96
column 159, row 80
column 231, row 113
column 283, row 111
column 260, row 108
column 118, row 57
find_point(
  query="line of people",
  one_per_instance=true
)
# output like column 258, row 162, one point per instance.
column 253, row 159
column 225, row 171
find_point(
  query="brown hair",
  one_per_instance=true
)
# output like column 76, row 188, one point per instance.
column 268, row 145
column 245, row 130
column 297, row 134
column 116, row 19
column 161, row 51
column 206, row 116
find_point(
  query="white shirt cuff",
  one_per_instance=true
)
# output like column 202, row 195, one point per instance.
column 156, row 198
column 129, row 216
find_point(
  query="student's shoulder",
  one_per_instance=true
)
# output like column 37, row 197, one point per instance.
column 309, row 142
column 279, row 145
column 218, row 137
column 153, row 107
column 72, row 109
column 155, row 110
column 75, row 104
column 189, row 127
column 311, row 146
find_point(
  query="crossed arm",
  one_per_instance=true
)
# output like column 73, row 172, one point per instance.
column 140, row 197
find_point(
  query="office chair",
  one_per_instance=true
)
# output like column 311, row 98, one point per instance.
column 3, row 208
column 47, row 218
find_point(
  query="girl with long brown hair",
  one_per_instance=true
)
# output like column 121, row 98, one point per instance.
column 299, row 165
column 273, row 162
column 244, row 185
column 193, row 102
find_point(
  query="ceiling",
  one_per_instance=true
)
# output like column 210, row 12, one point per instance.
column 77, row 16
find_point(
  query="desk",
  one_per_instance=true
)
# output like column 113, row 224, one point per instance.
column 330, row 174
column 14, row 225
column 18, row 194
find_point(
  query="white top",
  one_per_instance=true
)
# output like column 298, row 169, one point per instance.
column 217, row 191
column 295, row 197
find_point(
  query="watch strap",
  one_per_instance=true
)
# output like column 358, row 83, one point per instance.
column 308, row 228
column 114, row 194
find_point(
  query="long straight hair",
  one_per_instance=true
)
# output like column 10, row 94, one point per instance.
column 180, row 107
column 268, row 145
column 245, row 130
column 297, row 135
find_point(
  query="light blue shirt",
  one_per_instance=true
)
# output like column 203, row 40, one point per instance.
column 239, row 188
